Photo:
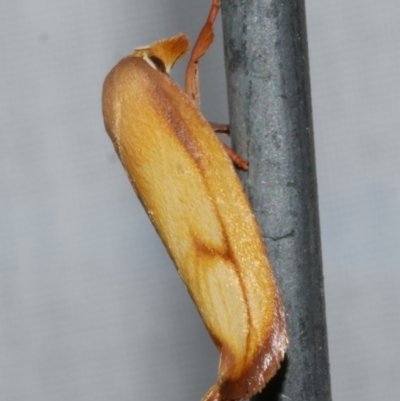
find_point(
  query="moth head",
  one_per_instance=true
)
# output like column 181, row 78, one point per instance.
column 162, row 55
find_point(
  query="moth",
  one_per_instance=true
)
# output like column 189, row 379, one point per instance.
column 184, row 177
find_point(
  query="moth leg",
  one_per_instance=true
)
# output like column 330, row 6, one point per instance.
column 237, row 160
column 224, row 129
column 203, row 42
column 220, row 128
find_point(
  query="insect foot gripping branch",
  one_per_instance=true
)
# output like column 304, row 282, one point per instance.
column 189, row 188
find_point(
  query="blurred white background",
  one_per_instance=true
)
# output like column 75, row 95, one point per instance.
column 91, row 307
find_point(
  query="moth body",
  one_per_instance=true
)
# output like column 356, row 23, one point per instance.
column 190, row 190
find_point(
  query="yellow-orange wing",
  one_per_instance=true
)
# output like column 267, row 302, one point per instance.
column 192, row 195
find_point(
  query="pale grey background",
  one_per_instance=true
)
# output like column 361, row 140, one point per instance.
column 91, row 307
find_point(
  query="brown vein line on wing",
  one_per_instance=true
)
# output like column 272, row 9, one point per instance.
column 189, row 144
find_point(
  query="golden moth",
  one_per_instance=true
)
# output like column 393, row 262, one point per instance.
column 186, row 182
